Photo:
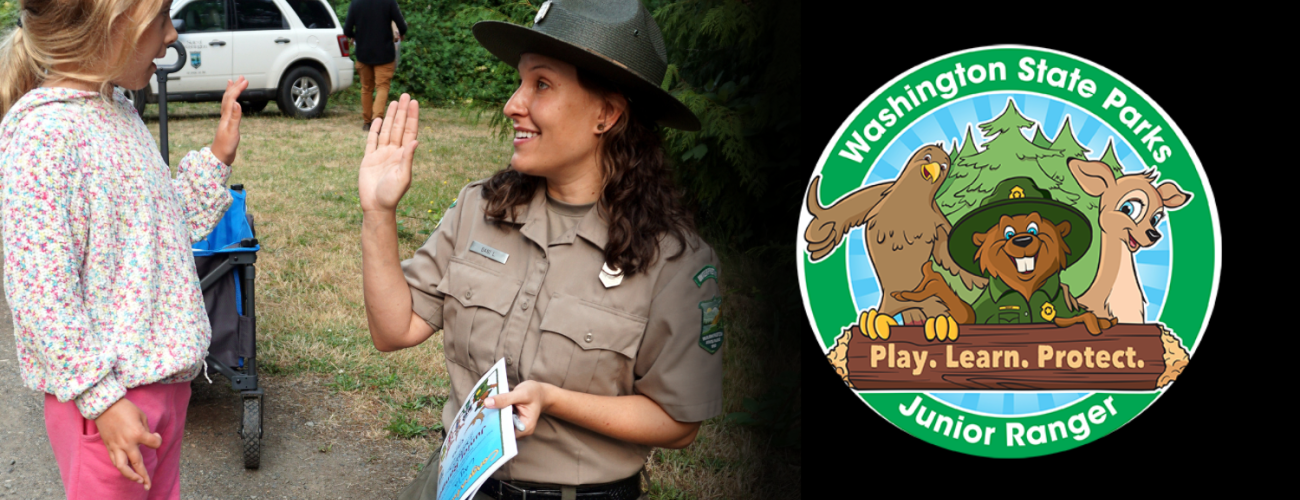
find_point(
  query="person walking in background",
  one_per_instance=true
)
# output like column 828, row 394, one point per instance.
column 370, row 23
column 397, row 46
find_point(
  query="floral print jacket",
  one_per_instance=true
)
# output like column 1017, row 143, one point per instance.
column 98, row 270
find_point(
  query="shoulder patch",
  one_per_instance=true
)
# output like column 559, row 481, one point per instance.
column 706, row 273
column 711, row 324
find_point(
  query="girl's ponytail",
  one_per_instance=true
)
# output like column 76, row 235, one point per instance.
column 18, row 70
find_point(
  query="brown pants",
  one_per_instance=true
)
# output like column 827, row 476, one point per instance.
column 375, row 77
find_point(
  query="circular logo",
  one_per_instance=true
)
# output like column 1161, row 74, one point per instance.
column 986, row 251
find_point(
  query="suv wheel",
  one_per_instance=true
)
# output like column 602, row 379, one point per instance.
column 251, row 107
column 303, row 93
column 138, row 98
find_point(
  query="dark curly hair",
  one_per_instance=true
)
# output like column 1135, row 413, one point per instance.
column 638, row 199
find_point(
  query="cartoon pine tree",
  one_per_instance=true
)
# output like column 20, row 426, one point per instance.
column 960, row 175
column 1110, row 159
column 954, row 155
column 1058, row 167
column 1067, row 144
column 1040, row 140
column 1079, row 275
column 1007, row 154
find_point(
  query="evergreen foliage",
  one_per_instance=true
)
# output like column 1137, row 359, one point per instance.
column 8, row 15
column 1009, row 121
column 958, row 178
column 1067, row 144
column 1058, row 168
column 737, row 66
column 441, row 63
column 1111, row 160
column 1040, row 140
column 1008, row 153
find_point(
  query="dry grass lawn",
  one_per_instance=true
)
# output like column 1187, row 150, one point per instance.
column 300, row 177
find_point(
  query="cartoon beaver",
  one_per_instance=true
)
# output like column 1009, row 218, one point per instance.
column 1012, row 238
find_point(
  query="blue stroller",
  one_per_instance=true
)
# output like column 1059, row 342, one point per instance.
column 225, row 265
column 224, row 262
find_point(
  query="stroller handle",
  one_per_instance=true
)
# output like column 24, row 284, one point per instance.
column 180, row 61
column 162, row 97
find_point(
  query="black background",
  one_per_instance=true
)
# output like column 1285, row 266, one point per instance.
column 1213, row 418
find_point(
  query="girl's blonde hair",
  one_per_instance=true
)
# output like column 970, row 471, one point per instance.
column 72, row 34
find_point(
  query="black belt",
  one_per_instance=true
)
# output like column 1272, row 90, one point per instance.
column 626, row 489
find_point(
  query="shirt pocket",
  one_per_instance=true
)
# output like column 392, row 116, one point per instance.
column 587, row 347
column 1009, row 316
column 472, row 323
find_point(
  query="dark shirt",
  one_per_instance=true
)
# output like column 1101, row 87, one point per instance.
column 369, row 23
column 1001, row 304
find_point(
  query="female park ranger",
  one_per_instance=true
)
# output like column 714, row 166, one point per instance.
column 576, row 264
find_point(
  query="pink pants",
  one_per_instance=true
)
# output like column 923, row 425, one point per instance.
column 84, row 465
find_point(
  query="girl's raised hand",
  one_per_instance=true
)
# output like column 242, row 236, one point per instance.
column 227, row 141
column 385, row 173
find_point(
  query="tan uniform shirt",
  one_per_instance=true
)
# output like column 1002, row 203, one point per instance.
column 545, row 310
column 561, row 218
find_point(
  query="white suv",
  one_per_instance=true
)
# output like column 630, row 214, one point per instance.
column 292, row 51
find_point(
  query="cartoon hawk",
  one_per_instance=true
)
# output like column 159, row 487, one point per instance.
column 904, row 229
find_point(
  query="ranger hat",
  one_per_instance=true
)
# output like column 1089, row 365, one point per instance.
column 1017, row 196
column 617, row 40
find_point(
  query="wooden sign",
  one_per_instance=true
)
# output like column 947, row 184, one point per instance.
column 1011, row 358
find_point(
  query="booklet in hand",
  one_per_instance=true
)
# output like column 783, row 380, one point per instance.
column 479, row 441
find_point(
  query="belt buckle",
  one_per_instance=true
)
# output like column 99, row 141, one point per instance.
column 523, row 492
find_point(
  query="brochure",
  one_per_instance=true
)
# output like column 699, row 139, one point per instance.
column 479, row 441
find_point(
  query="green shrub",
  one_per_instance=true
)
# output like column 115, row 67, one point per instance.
column 737, row 66
column 8, row 15
column 441, row 62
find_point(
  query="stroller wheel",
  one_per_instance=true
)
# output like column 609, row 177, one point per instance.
column 252, row 432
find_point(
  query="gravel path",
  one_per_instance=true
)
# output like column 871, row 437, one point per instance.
column 310, row 448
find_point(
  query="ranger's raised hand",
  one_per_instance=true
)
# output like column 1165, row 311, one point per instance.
column 385, row 173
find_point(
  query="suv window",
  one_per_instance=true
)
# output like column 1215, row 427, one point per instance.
column 203, row 15
column 258, row 15
column 313, row 13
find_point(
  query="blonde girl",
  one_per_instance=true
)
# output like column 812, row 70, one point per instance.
column 98, row 272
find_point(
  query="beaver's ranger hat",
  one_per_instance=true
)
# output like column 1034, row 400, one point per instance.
column 1017, row 196
column 617, row 40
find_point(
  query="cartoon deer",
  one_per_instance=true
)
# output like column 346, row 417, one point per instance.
column 1131, row 207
